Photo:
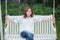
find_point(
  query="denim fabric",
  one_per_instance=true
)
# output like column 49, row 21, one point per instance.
column 27, row 35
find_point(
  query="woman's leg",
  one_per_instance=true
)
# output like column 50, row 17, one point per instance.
column 24, row 34
column 27, row 35
column 27, row 38
column 30, row 36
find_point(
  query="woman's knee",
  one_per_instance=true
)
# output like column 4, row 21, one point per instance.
column 24, row 34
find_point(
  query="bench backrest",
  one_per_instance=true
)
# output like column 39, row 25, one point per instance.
column 40, row 27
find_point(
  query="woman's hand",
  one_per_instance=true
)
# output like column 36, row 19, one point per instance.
column 7, row 18
column 53, row 19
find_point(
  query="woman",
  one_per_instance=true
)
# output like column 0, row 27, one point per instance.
column 27, row 24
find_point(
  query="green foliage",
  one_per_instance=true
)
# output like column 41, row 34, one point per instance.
column 39, row 9
column 3, row 11
column 57, row 12
column 13, row 9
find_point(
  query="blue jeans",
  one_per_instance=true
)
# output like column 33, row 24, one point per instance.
column 27, row 35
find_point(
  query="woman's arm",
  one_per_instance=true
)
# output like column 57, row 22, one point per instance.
column 51, row 19
column 7, row 18
column 45, row 19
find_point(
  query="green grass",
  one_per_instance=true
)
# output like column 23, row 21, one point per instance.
column 58, row 29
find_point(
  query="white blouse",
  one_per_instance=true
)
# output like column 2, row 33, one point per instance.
column 26, row 24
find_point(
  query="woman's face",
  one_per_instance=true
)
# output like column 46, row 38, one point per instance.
column 28, row 13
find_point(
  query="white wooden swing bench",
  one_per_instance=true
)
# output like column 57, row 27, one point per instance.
column 42, row 30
